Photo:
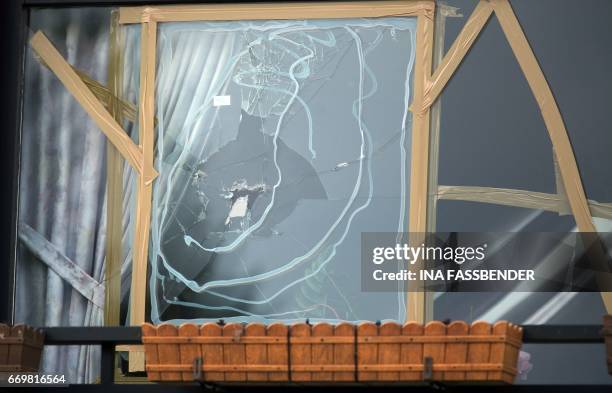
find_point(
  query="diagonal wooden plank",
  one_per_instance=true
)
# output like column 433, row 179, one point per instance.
column 72, row 273
column 126, row 110
column 453, row 58
column 73, row 83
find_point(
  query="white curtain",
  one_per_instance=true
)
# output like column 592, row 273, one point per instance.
column 256, row 66
column 62, row 187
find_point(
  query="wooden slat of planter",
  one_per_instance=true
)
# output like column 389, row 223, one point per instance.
column 456, row 352
column 322, row 340
column 330, row 367
column 234, row 353
column 277, row 353
column 212, row 354
column 478, row 352
column 436, row 368
column 256, row 354
column 30, row 353
column 327, row 368
column 515, row 333
column 367, row 353
column 189, row 352
column 5, row 331
column 26, row 349
column 168, row 353
column 333, row 340
column 300, row 353
column 433, row 339
column 218, row 340
column 498, row 351
column 15, row 356
column 322, row 354
column 411, row 353
column 389, row 353
column 435, row 350
column 151, row 356
column 221, row 367
column 35, row 350
column 344, row 354
column 20, row 348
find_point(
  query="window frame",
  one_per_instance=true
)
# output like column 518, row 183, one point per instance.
column 148, row 17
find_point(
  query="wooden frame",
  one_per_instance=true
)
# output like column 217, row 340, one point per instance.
column 428, row 85
column 114, row 186
column 416, row 303
column 145, row 187
column 442, row 12
column 259, row 11
column 150, row 16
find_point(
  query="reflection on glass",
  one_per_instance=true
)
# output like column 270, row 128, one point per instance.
column 278, row 143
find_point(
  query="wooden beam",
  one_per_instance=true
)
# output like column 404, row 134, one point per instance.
column 71, row 81
column 565, row 210
column 518, row 198
column 104, row 95
column 455, row 55
column 127, row 110
column 303, row 10
column 143, row 204
column 442, row 12
column 417, row 212
column 114, row 186
column 55, row 260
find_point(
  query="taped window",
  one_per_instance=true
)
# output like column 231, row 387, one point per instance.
column 265, row 149
column 291, row 136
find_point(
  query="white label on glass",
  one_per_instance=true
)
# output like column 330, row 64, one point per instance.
column 222, row 100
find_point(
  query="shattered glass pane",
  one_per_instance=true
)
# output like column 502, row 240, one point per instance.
column 278, row 143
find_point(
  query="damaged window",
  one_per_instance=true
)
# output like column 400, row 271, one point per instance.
column 278, row 143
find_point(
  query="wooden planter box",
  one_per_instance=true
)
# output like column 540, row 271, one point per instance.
column 20, row 348
column 607, row 332
column 339, row 353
